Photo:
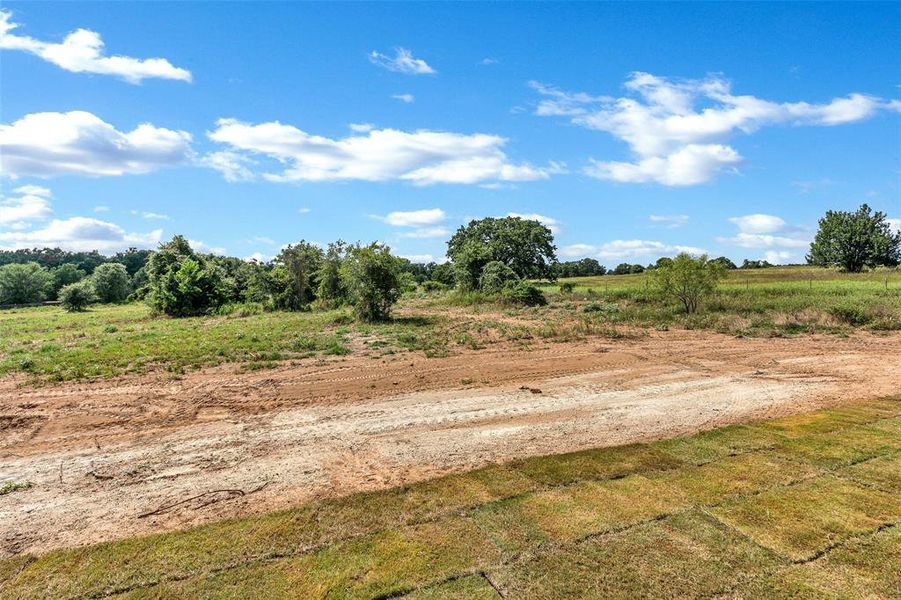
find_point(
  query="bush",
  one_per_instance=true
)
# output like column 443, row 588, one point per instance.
column 522, row 292
column 76, row 297
column 24, row 283
column 851, row 315
column 567, row 288
column 431, row 285
column 371, row 276
column 111, row 282
column 64, row 275
column 495, row 277
column 688, row 279
column 182, row 283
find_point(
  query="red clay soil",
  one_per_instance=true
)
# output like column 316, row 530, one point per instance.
column 102, row 455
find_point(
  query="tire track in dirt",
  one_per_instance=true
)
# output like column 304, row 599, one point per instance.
column 100, row 453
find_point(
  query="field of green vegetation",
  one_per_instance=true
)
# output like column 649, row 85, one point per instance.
column 798, row 507
column 49, row 344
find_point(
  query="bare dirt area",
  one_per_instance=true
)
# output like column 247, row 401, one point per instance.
column 130, row 456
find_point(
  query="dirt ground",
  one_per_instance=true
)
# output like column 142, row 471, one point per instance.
column 130, row 456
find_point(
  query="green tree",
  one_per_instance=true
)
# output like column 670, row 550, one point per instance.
column 331, row 290
column 688, row 279
column 24, row 283
column 372, row 278
column 76, row 297
column 293, row 279
column 182, row 283
column 524, row 245
column 854, row 240
column 496, row 276
column 727, row 264
column 111, row 282
column 66, row 274
column 133, row 259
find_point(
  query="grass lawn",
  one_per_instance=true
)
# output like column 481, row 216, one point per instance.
column 768, row 509
column 51, row 345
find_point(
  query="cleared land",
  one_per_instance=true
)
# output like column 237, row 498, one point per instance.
column 801, row 506
column 117, row 424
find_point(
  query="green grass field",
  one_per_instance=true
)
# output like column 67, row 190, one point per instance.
column 799, row 507
column 51, row 345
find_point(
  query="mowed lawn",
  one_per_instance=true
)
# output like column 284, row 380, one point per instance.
column 805, row 506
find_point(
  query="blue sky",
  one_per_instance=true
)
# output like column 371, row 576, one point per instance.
column 635, row 130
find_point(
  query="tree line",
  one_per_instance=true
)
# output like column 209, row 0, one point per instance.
column 495, row 257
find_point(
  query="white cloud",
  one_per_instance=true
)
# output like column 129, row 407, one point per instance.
column 427, row 232
column 428, row 216
column 232, row 165
column 895, row 224
column 303, row 210
column 676, row 129
column 758, row 223
column 361, row 127
column 30, row 203
column 259, row 257
column 756, row 231
column 670, row 221
column 549, row 222
column 402, row 62
column 78, row 142
column 488, row 61
column 419, row 258
column 781, row 257
column 81, row 51
column 206, row 248
column 405, row 98
column 422, row 157
column 628, row 250
column 151, row 216
column 80, row 234
column 101, row 208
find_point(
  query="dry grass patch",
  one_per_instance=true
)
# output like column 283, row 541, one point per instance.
column 823, row 421
column 742, row 474
column 804, row 520
column 883, row 472
column 386, row 563
column 601, row 463
column 843, row 448
column 865, row 568
column 687, row 555
column 718, row 443
column 470, row 587
column 576, row 511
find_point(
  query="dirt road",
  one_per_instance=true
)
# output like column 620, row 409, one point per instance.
column 216, row 444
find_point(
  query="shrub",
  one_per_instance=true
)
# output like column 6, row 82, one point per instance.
column 522, row 292
column 688, row 279
column 24, row 283
column 111, row 282
column 76, row 297
column 182, row 283
column 567, row 288
column 851, row 315
column 495, row 277
column 64, row 275
column 371, row 276
column 431, row 285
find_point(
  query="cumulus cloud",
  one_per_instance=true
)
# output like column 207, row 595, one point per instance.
column 676, row 129
column 402, row 62
column 80, row 234
column 895, row 224
column 427, row 232
column 80, row 143
column 405, row 98
column 758, row 223
column 765, row 231
column 361, row 127
column 421, row 157
column 671, row 221
column 549, row 222
column 150, row 216
column 628, row 250
column 29, row 203
column 81, row 51
column 428, row 216
column 419, row 258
